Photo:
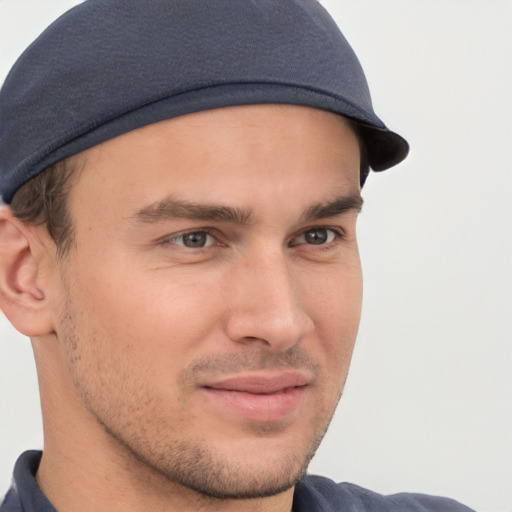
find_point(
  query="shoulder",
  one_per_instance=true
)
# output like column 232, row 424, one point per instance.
column 319, row 494
column 24, row 494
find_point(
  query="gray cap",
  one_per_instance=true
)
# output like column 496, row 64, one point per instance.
column 107, row 67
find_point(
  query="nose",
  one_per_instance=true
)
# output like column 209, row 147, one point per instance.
column 266, row 304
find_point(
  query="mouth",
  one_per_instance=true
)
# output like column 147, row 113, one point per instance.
column 260, row 398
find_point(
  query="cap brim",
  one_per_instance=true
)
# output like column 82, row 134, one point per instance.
column 385, row 148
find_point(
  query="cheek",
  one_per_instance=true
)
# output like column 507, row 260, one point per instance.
column 335, row 306
column 151, row 319
column 336, row 294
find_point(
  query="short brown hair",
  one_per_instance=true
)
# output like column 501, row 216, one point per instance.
column 43, row 201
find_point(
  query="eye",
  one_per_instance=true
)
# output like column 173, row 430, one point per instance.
column 193, row 239
column 317, row 236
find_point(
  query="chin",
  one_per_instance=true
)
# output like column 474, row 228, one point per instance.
column 216, row 478
column 246, row 469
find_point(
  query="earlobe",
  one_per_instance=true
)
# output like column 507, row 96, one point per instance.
column 22, row 299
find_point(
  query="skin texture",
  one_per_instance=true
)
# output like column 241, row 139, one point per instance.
column 133, row 329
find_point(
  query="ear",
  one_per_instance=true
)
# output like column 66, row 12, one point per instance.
column 22, row 298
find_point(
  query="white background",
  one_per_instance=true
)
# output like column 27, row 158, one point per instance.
column 428, row 405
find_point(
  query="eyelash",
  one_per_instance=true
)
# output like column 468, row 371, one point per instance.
column 171, row 240
column 338, row 235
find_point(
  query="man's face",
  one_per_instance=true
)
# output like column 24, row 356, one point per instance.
column 208, row 310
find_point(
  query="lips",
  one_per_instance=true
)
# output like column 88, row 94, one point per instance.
column 260, row 398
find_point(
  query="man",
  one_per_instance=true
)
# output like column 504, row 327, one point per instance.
column 183, row 181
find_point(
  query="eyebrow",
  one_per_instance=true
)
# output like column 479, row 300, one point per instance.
column 171, row 208
column 339, row 206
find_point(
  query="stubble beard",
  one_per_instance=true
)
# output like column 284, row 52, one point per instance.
column 210, row 476
column 149, row 443
column 198, row 467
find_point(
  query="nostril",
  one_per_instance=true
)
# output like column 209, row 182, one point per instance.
column 252, row 340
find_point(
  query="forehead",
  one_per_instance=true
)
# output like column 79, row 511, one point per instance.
column 213, row 154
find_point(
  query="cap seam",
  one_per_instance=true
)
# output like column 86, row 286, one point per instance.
column 85, row 128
